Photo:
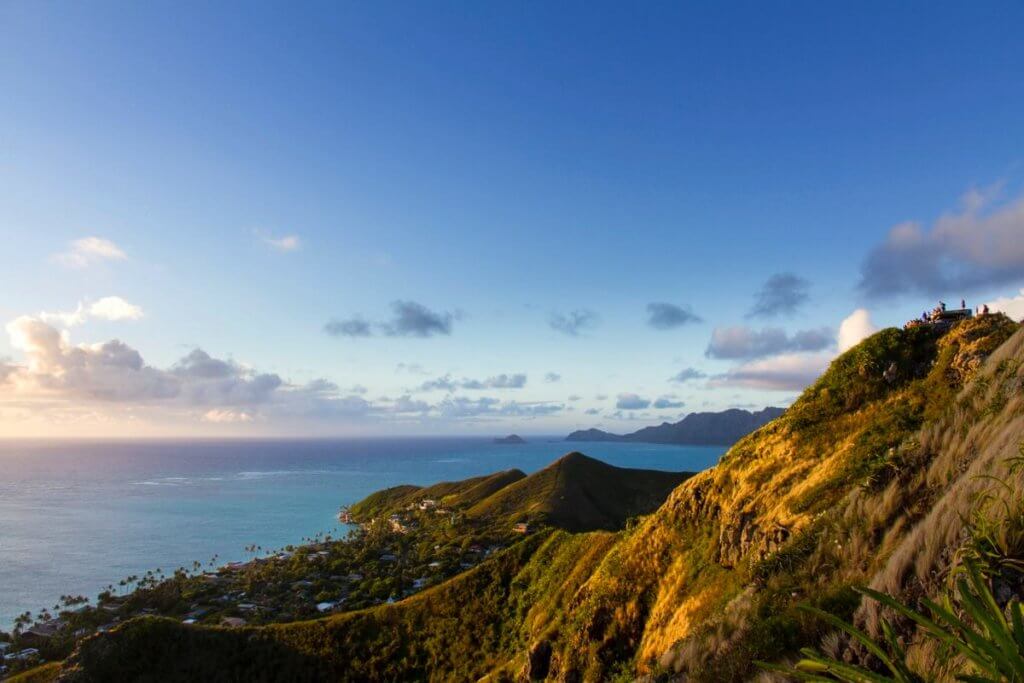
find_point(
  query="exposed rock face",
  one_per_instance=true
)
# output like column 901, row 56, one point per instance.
column 538, row 661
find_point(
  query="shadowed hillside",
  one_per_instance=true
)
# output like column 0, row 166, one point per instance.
column 895, row 465
column 576, row 493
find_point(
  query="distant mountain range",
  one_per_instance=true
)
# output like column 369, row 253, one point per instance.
column 696, row 429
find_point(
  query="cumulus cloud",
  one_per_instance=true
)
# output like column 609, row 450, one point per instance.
column 222, row 415
column 112, row 371
column 573, row 323
column 110, row 378
column 786, row 372
column 285, row 243
column 112, row 308
column 669, row 401
column 978, row 245
column 552, row 377
column 1011, row 306
column 855, row 327
column 440, row 384
column 782, row 294
column 7, row 370
column 627, row 401
column 591, row 411
column 109, row 371
column 412, row 319
column 87, row 251
column 406, row 404
column 687, row 374
column 502, row 381
column 409, row 319
column 461, row 407
column 665, row 316
column 115, row 308
column 211, row 381
column 353, row 327
column 747, row 343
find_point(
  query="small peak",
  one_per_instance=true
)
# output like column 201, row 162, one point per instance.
column 575, row 458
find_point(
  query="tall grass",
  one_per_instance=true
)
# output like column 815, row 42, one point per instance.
column 970, row 627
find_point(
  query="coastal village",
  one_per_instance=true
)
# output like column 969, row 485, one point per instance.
column 382, row 559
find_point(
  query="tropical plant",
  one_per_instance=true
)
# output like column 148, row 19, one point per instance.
column 988, row 646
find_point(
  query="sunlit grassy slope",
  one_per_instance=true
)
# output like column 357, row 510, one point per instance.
column 871, row 477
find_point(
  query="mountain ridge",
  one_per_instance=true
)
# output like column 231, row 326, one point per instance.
column 722, row 428
column 877, row 475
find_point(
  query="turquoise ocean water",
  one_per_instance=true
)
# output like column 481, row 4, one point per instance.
column 76, row 516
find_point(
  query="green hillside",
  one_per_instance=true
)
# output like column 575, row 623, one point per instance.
column 450, row 493
column 898, row 463
column 578, row 493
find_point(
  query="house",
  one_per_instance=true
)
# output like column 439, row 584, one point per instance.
column 354, row 576
column 189, row 621
column 420, row 582
column 521, row 528
column 43, row 631
column 27, row 653
column 388, row 557
column 428, row 503
column 325, row 606
column 232, row 622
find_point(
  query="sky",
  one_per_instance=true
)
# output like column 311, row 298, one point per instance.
column 396, row 218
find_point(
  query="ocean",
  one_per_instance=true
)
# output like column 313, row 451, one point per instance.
column 76, row 516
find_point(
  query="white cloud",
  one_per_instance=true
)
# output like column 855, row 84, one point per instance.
column 112, row 308
column 747, row 343
column 786, row 372
column 630, row 401
column 1011, row 306
column 112, row 371
column 286, row 243
column 975, row 247
column 89, row 250
column 115, row 308
column 221, row 416
column 855, row 328
column 108, row 371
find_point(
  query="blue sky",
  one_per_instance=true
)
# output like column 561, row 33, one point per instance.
column 502, row 166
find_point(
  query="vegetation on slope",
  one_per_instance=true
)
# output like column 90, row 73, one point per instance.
column 879, row 475
column 806, row 508
column 474, row 625
column 464, row 493
column 578, row 493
